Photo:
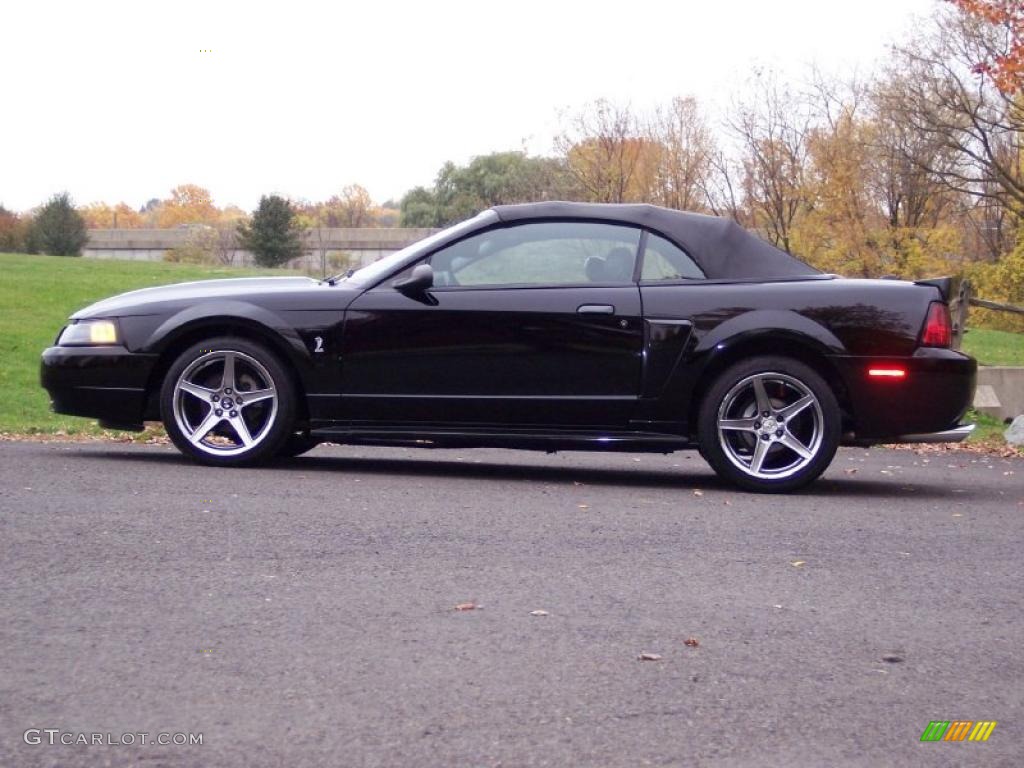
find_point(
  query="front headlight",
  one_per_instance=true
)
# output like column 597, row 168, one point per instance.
column 89, row 333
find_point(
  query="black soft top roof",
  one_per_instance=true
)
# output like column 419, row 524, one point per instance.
column 721, row 247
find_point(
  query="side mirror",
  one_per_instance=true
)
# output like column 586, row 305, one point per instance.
column 419, row 280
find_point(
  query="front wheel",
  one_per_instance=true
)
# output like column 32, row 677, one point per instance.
column 769, row 424
column 228, row 402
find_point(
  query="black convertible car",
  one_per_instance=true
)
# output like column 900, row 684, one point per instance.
column 551, row 326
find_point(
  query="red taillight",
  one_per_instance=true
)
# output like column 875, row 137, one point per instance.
column 938, row 329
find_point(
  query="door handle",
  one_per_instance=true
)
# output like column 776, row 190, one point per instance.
column 595, row 309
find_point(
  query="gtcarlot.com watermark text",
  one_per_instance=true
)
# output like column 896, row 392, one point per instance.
column 54, row 736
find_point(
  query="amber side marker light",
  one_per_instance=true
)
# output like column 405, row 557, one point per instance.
column 887, row 373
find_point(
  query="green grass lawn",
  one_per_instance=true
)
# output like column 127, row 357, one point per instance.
column 994, row 347
column 37, row 293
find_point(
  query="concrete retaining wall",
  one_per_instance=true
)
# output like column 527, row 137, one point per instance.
column 360, row 245
column 1008, row 384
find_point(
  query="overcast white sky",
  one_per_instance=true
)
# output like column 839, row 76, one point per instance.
column 114, row 100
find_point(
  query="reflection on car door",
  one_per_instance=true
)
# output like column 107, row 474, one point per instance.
column 527, row 354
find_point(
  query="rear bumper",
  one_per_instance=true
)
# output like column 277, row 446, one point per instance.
column 106, row 383
column 936, row 391
column 955, row 435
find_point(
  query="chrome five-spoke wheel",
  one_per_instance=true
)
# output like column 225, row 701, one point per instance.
column 769, row 424
column 228, row 401
column 225, row 402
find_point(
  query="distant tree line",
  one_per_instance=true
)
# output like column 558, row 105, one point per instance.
column 213, row 230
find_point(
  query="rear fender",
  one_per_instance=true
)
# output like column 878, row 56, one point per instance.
column 770, row 322
column 776, row 332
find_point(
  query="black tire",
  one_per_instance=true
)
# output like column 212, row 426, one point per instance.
column 266, row 416
column 297, row 444
column 767, row 454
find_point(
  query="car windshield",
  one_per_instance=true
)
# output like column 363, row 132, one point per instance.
column 378, row 269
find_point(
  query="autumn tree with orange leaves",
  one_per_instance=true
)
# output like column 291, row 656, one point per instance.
column 606, row 152
column 1006, row 17
column 188, row 204
column 120, row 216
column 12, row 231
column 939, row 89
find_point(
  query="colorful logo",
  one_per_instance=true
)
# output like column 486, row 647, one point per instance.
column 958, row 730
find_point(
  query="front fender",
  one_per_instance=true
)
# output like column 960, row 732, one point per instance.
column 307, row 340
column 214, row 316
column 317, row 374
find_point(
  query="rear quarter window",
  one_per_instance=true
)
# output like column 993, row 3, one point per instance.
column 666, row 261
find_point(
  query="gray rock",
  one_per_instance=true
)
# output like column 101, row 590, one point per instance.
column 1015, row 432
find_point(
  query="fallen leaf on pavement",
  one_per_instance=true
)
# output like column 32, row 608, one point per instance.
column 467, row 607
column 798, row 563
column 693, row 642
column 851, row 471
column 649, row 657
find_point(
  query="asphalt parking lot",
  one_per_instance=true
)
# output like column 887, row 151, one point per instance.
column 304, row 614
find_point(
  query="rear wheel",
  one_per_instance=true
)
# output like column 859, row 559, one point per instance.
column 769, row 424
column 228, row 402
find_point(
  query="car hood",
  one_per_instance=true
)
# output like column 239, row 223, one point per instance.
column 160, row 298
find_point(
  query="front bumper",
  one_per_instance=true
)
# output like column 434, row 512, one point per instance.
column 106, row 383
column 932, row 398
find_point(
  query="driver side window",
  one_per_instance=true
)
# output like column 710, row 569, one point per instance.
column 547, row 253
